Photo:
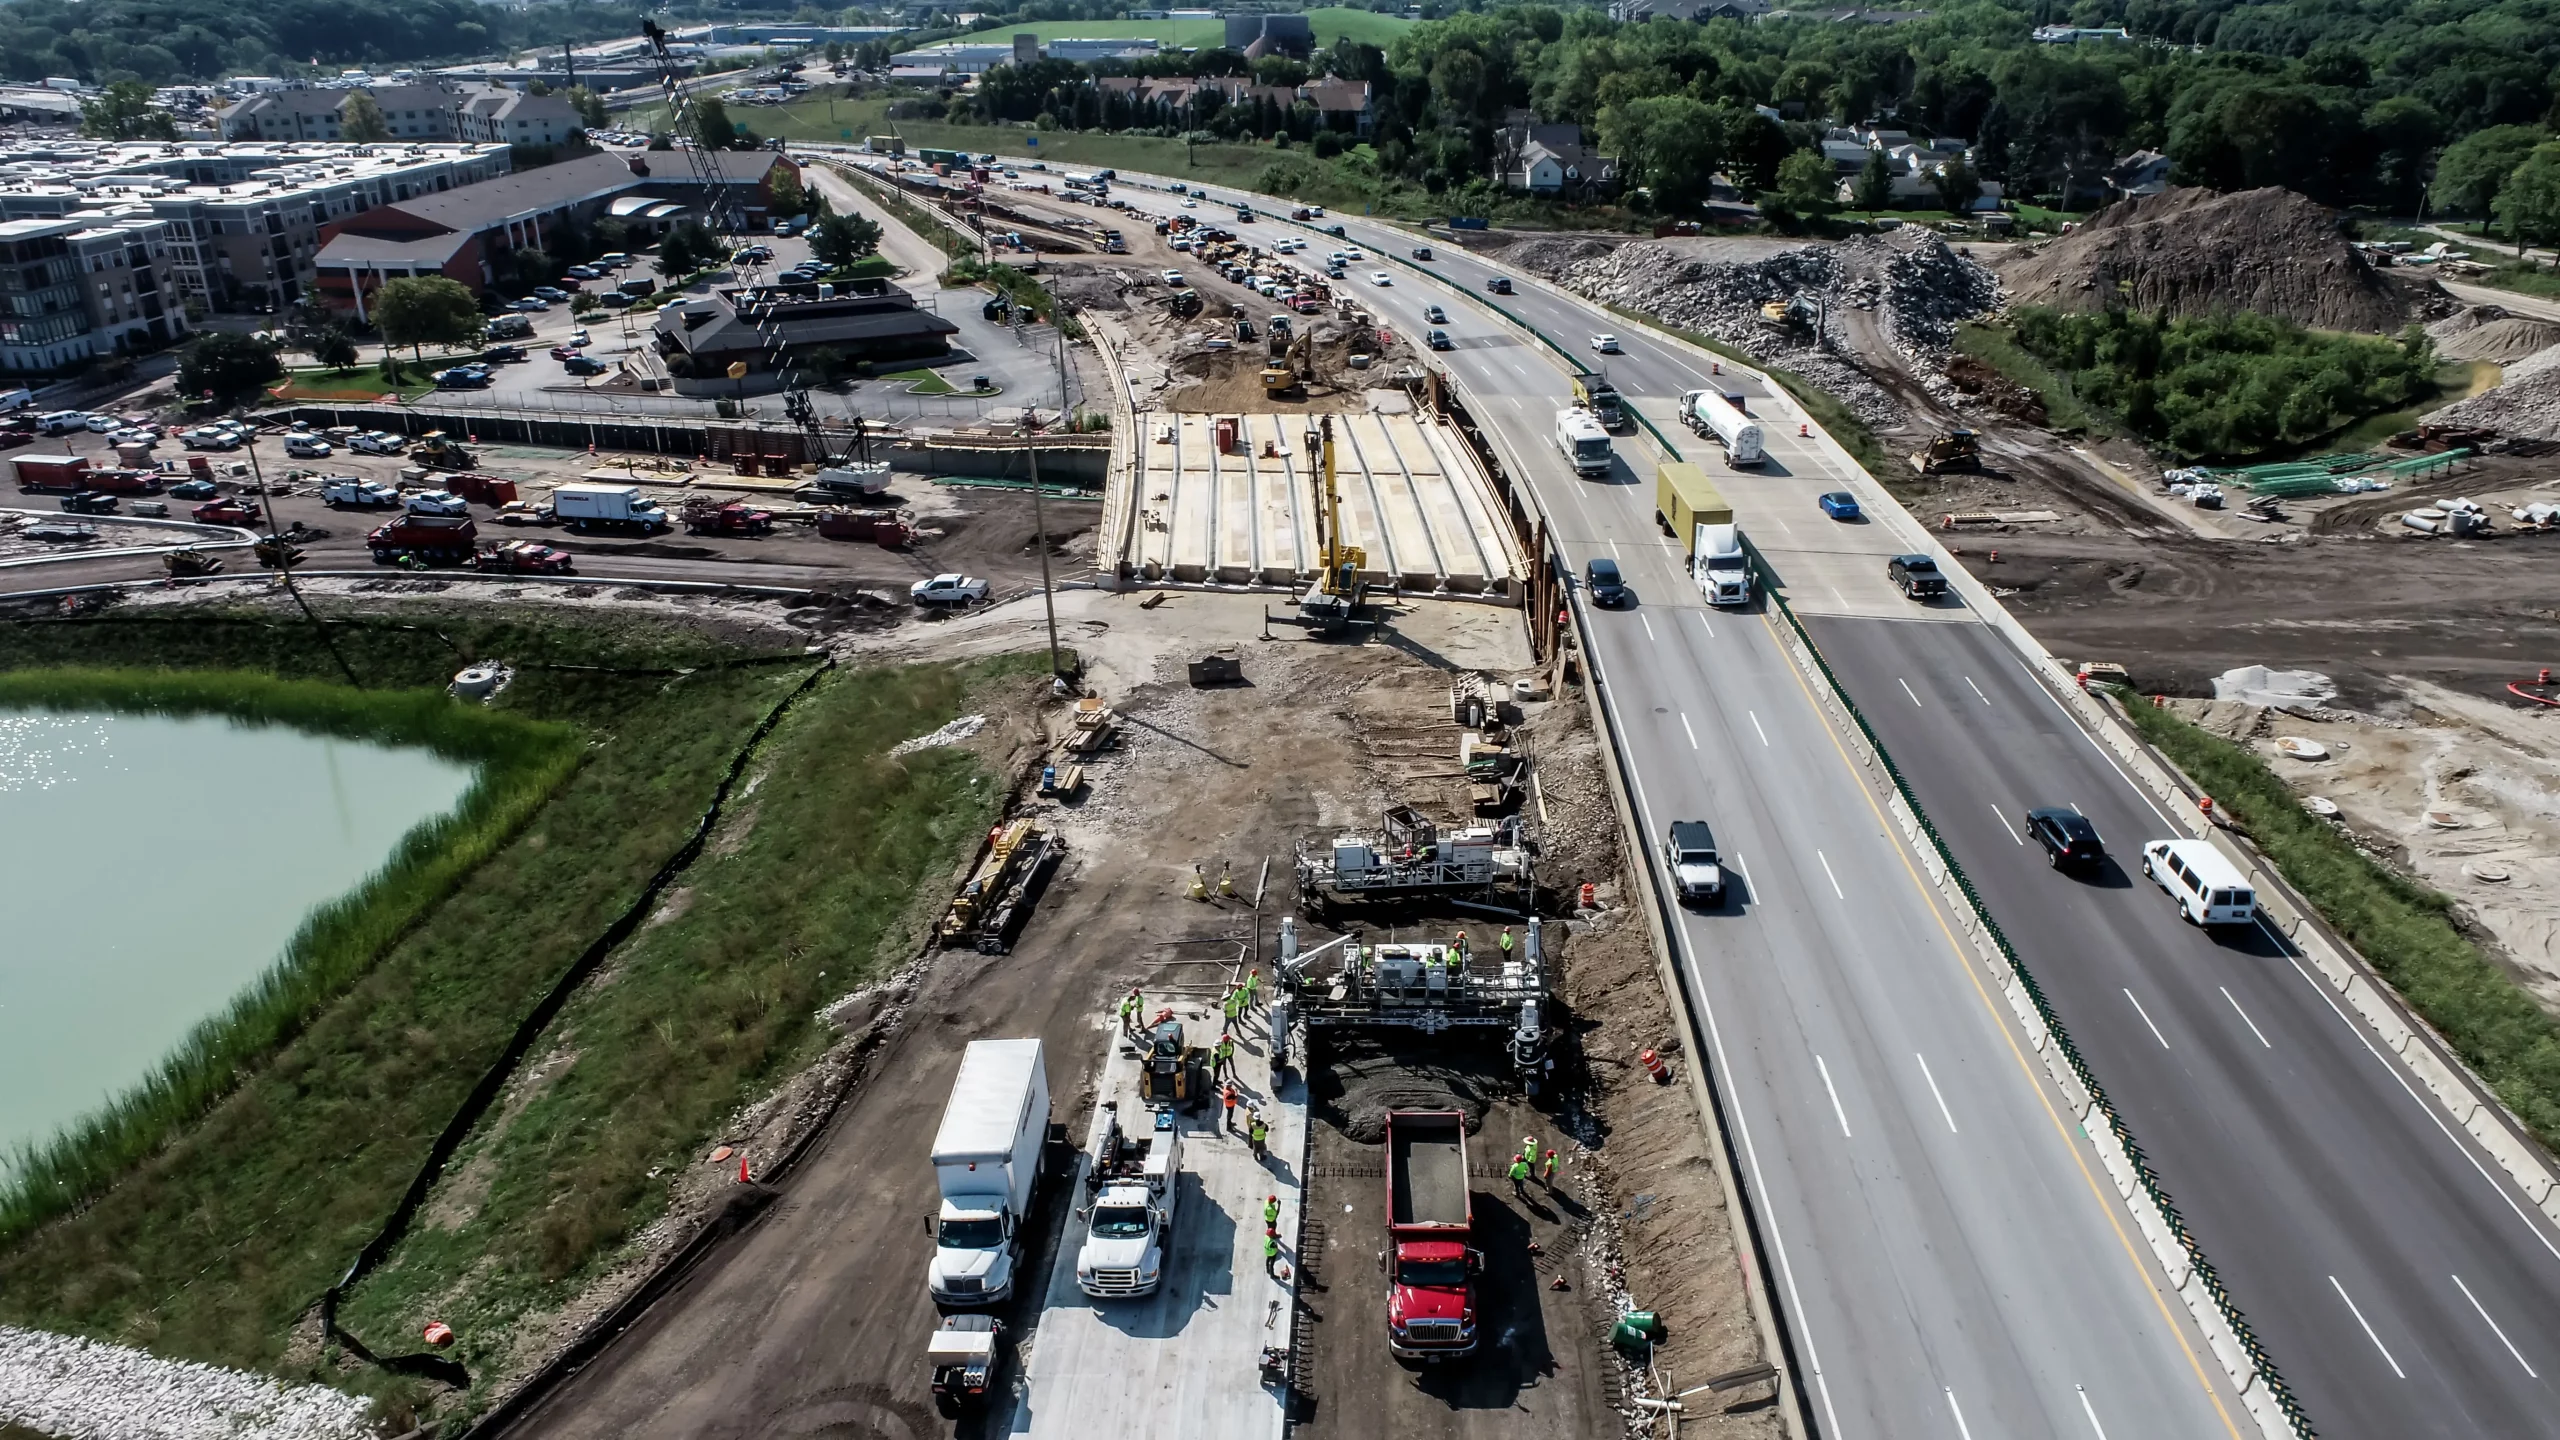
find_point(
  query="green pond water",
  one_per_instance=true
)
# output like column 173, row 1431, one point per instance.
column 151, row 868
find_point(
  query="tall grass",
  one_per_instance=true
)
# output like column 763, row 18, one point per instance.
column 2063, row 407
column 519, row 762
column 2405, row 929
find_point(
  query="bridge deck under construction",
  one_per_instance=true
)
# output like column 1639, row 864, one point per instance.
column 1413, row 497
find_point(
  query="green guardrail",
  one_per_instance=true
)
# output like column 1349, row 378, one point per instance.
column 2242, row 1333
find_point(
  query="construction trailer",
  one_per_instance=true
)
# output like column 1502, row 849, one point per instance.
column 1409, row 858
column 1426, row 987
column 989, row 910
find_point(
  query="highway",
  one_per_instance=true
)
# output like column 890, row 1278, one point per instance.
column 2398, row 1277
column 1950, row 1259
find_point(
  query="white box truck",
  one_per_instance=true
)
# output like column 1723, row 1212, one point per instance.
column 1129, row 1229
column 1709, row 413
column 987, row 1158
column 1580, row 436
column 1723, row 572
column 586, row 507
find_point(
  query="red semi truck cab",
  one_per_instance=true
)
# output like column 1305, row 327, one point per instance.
column 1431, row 1293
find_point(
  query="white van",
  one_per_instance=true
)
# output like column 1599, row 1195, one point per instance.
column 2208, row 888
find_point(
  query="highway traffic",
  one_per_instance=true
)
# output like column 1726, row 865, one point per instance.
column 1936, row 1226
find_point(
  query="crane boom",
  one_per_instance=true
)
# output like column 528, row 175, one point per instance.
column 719, row 207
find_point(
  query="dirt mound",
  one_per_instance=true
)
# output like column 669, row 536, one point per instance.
column 2195, row 252
column 2527, row 405
column 1359, row 1085
column 1553, row 254
column 2004, row 395
column 2486, row 332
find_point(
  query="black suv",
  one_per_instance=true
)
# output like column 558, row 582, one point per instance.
column 1605, row 585
column 2070, row 842
column 1916, row 576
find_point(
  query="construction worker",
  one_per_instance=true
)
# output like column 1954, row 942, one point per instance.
column 1271, row 1213
column 1506, row 942
column 1519, row 1177
column 1129, row 1012
column 1226, row 1057
column 1458, row 947
column 1252, row 986
column 1229, row 1123
column 1256, row 1133
column 1529, row 1148
column 1271, row 1253
column 1547, row 1171
column 1231, row 1004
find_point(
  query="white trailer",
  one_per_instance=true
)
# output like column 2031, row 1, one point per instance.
column 1583, row 440
column 582, row 506
column 986, row 1157
column 1709, row 413
column 1722, row 571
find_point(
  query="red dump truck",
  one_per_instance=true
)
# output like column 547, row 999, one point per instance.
column 481, row 489
column 1431, row 1271
column 425, row 539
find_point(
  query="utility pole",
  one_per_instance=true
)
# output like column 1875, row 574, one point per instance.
column 1040, row 508
column 283, row 555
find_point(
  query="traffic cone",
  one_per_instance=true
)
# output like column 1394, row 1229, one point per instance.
column 742, row 1171
column 1715, row 367
column 1199, row 884
column 1654, row 1067
column 1590, row 896
column 439, row 1334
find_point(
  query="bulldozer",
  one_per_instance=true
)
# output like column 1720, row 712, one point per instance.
column 188, row 563
column 438, row 451
column 1955, row 450
column 1335, row 595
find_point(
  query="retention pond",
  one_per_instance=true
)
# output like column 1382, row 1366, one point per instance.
column 152, row 867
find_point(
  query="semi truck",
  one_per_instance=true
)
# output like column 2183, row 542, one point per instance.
column 1129, row 1229
column 986, row 1156
column 1594, row 393
column 426, row 539
column 1722, row 570
column 1710, row 413
column 1684, row 499
column 583, row 507
column 1583, row 441
column 1431, row 1296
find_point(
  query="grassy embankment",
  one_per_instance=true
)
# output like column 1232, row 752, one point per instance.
column 2064, row 410
column 519, row 763
column 2405, row 929
column 831, row 870
column 213, row 1246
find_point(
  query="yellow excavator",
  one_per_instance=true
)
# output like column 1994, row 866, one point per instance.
column 1289, row 370
column 1337, row 591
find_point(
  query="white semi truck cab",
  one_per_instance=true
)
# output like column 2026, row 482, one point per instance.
column 1129, row 1228
column 987, row 1158
column 1723, row 572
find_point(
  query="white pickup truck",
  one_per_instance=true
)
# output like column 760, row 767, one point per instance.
column 339, row 491
column 948, row 590
column 1129, row 1227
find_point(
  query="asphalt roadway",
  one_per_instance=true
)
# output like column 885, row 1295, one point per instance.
column 1950, row 1264
column 1927, row 1234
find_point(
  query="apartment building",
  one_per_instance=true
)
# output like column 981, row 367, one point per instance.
column 431, row 110
column 83, row 286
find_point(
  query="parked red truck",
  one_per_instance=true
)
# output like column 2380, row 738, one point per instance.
column 428, row 539
column 711, row 517
column 1431, row 1294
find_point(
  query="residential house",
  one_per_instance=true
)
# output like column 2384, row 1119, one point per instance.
column 2144, row 172
column 2074, row 34
column 1545, row 159
column 1701, row 11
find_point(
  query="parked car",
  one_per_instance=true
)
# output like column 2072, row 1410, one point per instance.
column 550, row 292
column 502, row 354
column 584, row 272
column 225, row 512
column 142, row 435
column 1840, row 505
column 307, row 447
column 561, row 352
column 528, row 305
column 2070, row 842
column 578, row 364
column 193, row 490
column 102, row 424
column 206, row 437
column 613, row 299
column 89, row 502
column 1601, row 580
column 378, row 442
column 464, row 377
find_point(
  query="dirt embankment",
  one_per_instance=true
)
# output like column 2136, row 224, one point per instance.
column 2198, row 252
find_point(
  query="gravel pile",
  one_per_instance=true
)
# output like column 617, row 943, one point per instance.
column 2486, row 332
column 79, row 1389
column 2527, row 406
column 1917, row 288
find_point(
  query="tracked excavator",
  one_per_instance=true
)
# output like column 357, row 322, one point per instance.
column 1290, row 366
column 1335, row 594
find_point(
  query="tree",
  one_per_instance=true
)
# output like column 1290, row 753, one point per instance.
column 123, row 111
column 1805, row 188
column 2471, row 170
column 529, row 266
column 1668, row 143
column 718, row 131
column 687, row 248
column 1957, row 185
column 843, row 239
column 227, row 367
column 786, row 194
column 583, row 304
column 2528, row 204
column 1875, row 184
column 590, row 108
column 422, row 310
column 362, row 120
column 336, row 349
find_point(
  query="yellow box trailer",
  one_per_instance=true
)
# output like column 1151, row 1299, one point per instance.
column 1684, row 499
